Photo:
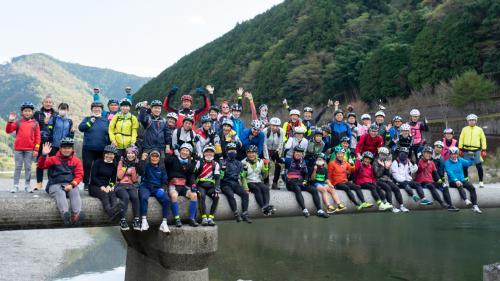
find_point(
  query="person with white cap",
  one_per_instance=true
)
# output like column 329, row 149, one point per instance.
column 473, row 145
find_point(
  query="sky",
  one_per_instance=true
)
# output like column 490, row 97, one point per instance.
column 137, row 37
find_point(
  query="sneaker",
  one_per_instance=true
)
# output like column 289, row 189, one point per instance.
column 305, row 212
column 124, row 225
column 366, row 205
column 415, row 198
column 211, row 222
column 38, row 186
column 265, row 211
column 67, row 219
column 193, row 223
column 178, row 222
column 14, row 189
column 237, row 216
column 468, row 202
column 476, row 209
column 425, row 202
column 341, row 207
column 384, row 207
column 77, row 219
column 322, row 214
column 330, row 209
column 275, row 186
column 28, row 189
column 272, row 210
column 452, row 208
column 403, row 209
column 204, row 222
column 164, row 227
column 395, row 210
column 144, row 225
column 245, row 217
column 136, row 224
column 481, row 184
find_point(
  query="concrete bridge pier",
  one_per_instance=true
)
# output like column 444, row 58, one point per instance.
column 182, row 255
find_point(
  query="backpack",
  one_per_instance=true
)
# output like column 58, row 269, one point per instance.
column 18, row 124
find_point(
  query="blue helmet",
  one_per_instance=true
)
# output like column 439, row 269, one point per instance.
column 27, row 104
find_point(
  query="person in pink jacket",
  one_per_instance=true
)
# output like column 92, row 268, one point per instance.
column 26, row 144
column 126, row 189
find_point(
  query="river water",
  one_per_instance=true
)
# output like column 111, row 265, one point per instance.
column 427, row 245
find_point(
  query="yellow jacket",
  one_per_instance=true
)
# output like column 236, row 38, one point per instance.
column 288, row 128
column 123, row 130
column 472, row 138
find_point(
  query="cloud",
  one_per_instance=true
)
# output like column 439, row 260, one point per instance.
column 197, row 20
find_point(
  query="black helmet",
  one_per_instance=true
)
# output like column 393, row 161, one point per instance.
column 125, row 102
column 368, row 154
column 110, row 149
column 427, row 149
column 27, row 104
column 67, row 142
column 111, row 101
column 374, row 127
column 252, row 148
column 298, row 148
column 214, row 108
column 403, row 149
column 205, row 119
column 96, row 104
column 156, row 103
column 318, row 131
column 236, row 107
column 231, row 146
column 353, row 114
column 188, row 118
column 338, row 111
column 345, row 139
column 308, row 109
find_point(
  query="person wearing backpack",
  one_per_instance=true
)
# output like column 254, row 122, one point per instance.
column 43, row 116
column 274, row 135
column 123, row 128
column 187, row 102
column 207, row 173
column 26, row 144
column 184, row 134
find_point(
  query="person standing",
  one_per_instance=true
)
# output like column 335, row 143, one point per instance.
column 472, row 143
column 43, row 117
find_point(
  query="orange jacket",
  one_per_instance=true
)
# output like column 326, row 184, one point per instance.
column 338, row 172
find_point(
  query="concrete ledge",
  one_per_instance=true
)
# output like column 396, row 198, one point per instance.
column 38, row 210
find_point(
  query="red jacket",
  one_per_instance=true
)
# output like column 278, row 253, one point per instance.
column 367, row 143
column 425, row 171
column 364, row 173
column 183, row 112
column 27, row 135
column 62, row 169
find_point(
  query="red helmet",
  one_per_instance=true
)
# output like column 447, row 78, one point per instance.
column 187, row 97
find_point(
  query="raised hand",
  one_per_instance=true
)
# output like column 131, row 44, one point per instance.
column 12, row 116
column 330, row 103
column 240, row 91
column 210, row 89
column 248, row 95
column 336, row 103
column 47, row 147
column 285, row 102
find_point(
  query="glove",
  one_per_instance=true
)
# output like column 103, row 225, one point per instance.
column 170, row 152
column 176, row 146
column 173, row 90
column 483, row 154
column 440, row 181
column 461, row 153
column 266, row 162
column 200, row 91
column 304, row 183
column 194, row 188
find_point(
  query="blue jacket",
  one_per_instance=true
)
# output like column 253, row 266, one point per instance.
column 232, row 169
column 248, row 139
column 339, row 130
column 239, row 126
column 455, row 170
column 152, row 176
column 155, row 134
column 59, row 127
column 95, row 135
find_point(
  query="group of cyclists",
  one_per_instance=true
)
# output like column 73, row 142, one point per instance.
column 129, row 156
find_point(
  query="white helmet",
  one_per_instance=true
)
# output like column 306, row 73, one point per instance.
column 256, row 124
column 275, row 121
column 439, row 143
column 366, row 116
column 380, row 113
column 471, row 117
column 454, row 150
column 172, row 115
column 415, row 112
column 300, row 130
column 404, row 127
column 295, row 112
column 209, row 147
column 188, row 146
column 383, row 150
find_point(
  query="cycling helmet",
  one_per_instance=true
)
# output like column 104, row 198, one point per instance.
column 263, row 106
column 252, row 148
column 404, row 127
column 397, row 118
column 236, row 107
column 439, row 143
column 308, row 109
column 128, row 90
column 256, row 125
column 187, row 146
column 27, row 104
column 448, row 131
column 188, row 118
column 227, row 121
column 110, row 149
column 67, row 142
column 300, row 130
column 427, row 149
column 187, row 97
column 155, row 152
column 351, row 114
column 326, row 128
column 383, row 150
column 345, row 139
column 380, row 113
column 374, row 127
column 96, row 104
column 132, row 148
column 318, row 131
column 415, row 112
column 404, row 149
column 205, row 119
column 454, row 150
column 275, row 121
column 338, row 111
column 366, row 117
column 295, row 112
column 113, row 101
column 471, row 117
column 339, row 149
column 172, row 115
column 156, row 103
column 209, row 147
column 367, row 154
column 214, row 108
column 298, row 148
column 125, row 102
column 231, row 146
column 96, row 90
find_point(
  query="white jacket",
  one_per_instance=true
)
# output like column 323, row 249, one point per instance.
column 254, row 174
column 292, row 143
column 401, row 172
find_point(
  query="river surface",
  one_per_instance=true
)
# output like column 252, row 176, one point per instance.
column 426, row 245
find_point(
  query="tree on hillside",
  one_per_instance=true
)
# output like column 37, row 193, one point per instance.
column 470, row 88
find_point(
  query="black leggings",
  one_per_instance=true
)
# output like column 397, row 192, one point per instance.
column 231, row 188
column 414, row 150
column 480, row 173
column 88, row 158
column 108, row 200
column 389, row 187
column 204, row 189
column 261, row 192
column 376, row 192
column 432, row 188
column 348, row 187
column 408, row 185
column 274, row 157
column 467, row 185
column 446, row 194
column 128, row 193
column 297, row 187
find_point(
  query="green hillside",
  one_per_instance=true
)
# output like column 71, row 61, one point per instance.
column 311, row 50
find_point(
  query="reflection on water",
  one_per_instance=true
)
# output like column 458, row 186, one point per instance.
column 431, row 245
column 116, row 274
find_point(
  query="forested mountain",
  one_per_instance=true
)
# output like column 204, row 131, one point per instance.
column 310, row 50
